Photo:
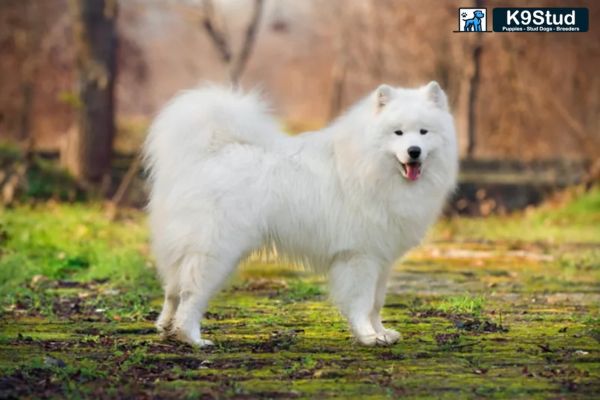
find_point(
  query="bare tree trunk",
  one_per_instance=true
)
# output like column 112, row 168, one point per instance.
column 217, row 34
column 239, row 64
column 473, row 92
column 14, row 178
column 220, row 40
column 29, row 68
column 25, row 117
column 338, row 79
column 376, row 38
column 472, row 102
column 342, row 60
column 113, row 205
column 96, row 43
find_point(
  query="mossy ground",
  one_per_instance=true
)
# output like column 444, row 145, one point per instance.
column 506, row 307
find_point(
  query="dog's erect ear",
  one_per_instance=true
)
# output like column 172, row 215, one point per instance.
column 436, row 95
column 383, row 95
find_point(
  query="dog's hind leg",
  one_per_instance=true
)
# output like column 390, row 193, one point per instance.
column 386, row 335
column 200, row 277
column 165, row 319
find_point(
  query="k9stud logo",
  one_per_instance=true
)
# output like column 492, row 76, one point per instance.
column 541, row 19
column 472, row 20
column 519, row 19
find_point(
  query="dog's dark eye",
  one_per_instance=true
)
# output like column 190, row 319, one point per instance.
column 423, row 131
column 399, row 132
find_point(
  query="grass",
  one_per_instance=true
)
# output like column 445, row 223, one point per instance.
column 504, row 307
column 74, row 242
column 466, row 304
column 576, row 220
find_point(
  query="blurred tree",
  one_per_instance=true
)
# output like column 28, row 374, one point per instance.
column 538, row 95
column 89, row 147
column 27, row 44
column 219, row 37
column 30, row 40
column 473, row 89
column 20, row 36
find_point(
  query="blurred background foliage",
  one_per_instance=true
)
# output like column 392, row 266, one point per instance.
column 527, row 106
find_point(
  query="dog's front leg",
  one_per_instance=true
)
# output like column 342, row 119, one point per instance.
column 388, row 336
column 353, row 281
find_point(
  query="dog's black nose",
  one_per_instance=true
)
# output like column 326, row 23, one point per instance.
column 414, row 152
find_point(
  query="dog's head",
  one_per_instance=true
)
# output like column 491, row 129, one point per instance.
column 414, row 129
column 478, row 14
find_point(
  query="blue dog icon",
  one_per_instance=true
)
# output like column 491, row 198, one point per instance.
column 473, row 24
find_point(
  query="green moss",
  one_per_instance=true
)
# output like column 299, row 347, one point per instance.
column 86, row 329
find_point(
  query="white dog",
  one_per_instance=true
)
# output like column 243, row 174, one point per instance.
column 348, row 200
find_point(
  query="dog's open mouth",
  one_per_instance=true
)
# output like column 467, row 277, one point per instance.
column 411, row 170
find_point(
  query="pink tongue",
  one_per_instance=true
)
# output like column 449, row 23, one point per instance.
column 412, row 171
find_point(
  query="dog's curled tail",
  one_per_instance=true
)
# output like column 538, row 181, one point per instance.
column 199, row 122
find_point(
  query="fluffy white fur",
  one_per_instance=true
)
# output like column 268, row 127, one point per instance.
column 226, row 182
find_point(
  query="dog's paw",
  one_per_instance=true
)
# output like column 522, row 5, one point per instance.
column 198, row 344
column 164, row 324
column 367, row 340
column 204, row 343
column 185, row 337
column 166, row 333
column 385, row 338
column 388, row 337
column 163, row 329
